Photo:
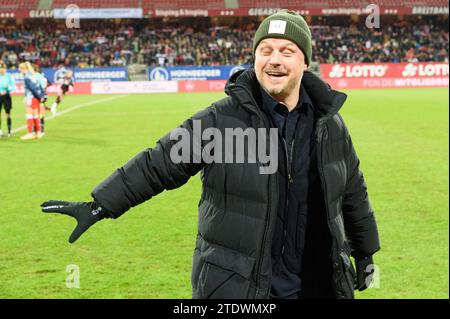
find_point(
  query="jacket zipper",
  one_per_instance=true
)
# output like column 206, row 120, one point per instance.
column 261, row 254
column 321, row 174
column 290, row 180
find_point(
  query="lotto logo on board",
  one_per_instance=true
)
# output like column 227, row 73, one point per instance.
column 358, row 71
column 435, row 69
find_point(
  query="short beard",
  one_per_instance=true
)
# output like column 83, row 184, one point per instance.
column 281, row 93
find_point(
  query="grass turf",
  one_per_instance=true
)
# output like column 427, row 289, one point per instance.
column 401, row 137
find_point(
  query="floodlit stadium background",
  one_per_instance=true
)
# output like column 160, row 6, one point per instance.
column 142, row 67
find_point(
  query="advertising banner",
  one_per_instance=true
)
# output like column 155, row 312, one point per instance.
column 386, row 75
column 94, row 13
column 133, row 87
column 80, row 74
column 149, row 11
column 78, row 88
column 201, row 86
column 300, row 9
column 189, row 73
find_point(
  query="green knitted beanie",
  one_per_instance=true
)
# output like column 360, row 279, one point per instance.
column 286, row 25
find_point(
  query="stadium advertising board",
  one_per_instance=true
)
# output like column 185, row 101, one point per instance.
column 102, row 13
column 386, row 75
column 80, row 74
column 201, row 86
column 134, row 87
column 78, row 88
column 189, row 73
column 137, row 13
column 266, row 11
column 213, row 79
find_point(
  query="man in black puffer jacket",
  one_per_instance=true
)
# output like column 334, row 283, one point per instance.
column 262, row 233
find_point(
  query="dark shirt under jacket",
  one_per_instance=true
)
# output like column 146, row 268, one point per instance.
column 295, row 130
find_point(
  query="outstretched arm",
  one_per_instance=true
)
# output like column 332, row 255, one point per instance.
column 147, row 174
column 144, row 176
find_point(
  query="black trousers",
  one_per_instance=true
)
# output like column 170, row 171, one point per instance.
column 5, row 100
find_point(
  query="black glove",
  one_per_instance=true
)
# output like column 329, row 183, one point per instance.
column 364, row 273
column 86, row 214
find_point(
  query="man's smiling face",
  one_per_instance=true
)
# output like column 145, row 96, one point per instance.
column 279, row 67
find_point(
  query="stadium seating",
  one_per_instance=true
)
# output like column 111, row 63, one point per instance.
column 202, row 41
column 18, row 4
column 198, row 43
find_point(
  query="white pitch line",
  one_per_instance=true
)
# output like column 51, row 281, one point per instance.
column 76, row 107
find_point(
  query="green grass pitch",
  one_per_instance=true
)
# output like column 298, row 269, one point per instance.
column 401, row 136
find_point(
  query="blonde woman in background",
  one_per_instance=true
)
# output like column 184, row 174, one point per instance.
column 34, row 95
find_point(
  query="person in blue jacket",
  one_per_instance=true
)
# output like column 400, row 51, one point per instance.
column 7, row 85
column 34, row 96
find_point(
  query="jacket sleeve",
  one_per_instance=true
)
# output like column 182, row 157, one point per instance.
column 359, row 218
column 150, row 172
column 35, row 90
